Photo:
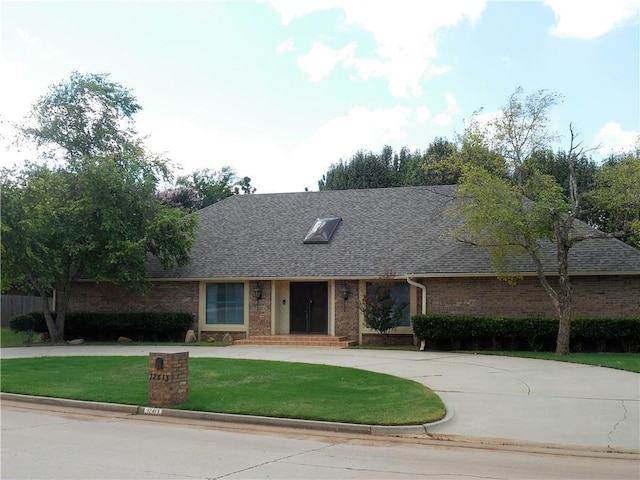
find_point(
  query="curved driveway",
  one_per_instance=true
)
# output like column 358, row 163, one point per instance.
column 493, row 399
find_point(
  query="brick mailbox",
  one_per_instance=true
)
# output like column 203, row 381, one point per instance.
column 168, row 379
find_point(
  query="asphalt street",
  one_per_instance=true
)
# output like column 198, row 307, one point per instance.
column 53, row 443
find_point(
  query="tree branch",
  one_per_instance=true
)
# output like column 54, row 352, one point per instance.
column 489, row 245
column 596, row 236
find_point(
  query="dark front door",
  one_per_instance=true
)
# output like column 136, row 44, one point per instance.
column 309, row 307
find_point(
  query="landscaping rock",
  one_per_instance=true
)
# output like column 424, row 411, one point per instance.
column 227, row 338
column 190, row 337
column 76, row 341
column 43, row 337
column 124, row 340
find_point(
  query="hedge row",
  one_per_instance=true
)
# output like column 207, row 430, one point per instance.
column 461, row 332
column 147, row 326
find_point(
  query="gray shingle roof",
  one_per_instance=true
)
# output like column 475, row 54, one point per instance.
column 405, row 229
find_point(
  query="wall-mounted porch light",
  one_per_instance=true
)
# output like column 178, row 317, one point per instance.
column 344, row 291
column 257, row 290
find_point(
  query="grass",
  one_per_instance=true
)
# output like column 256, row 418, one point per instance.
column 252, row 387
column 620, row 361
column 9, row 338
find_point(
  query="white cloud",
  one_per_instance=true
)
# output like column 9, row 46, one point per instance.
column 451, row 111
column 403, row 70
column 321, row 60
column 26, row 37
column 192, row 146
column 292, row 9
column 284, row 47
column 590, row 19
column 405, row 32
column 18, row 91
column 422, row 114
column 435, row 70
column 361, row 128
column 273, row 167
column 13, row 98
column 43, row 49
column 613, row 139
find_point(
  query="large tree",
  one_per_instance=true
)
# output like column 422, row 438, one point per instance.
column 363, row 170
column 615, row 196
column 522, row 128
column 90, row 209
column 435, row 167
column 512, row 216
column 205, row 187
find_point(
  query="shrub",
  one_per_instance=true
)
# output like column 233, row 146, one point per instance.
column 153, row 326
column 381, row 312
column 455, row 332
column 33, row 322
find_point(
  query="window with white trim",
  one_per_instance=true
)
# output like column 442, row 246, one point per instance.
column 225, row 304
column 400, row 292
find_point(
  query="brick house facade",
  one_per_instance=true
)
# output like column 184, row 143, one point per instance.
column 596, row 297
column 250, row 243
column 611, row 296
column 170, row 296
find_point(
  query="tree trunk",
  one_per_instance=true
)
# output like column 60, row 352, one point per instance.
column 563, row 305
column 54, row 334
column 563, row 341
column 62, row 302
column 55, row 326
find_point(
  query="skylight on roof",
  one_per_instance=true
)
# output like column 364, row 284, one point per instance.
column 322, row 230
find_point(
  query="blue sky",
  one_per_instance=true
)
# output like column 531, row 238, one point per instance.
column 280, row 90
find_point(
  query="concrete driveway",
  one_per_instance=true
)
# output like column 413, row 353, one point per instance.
column 490, row 399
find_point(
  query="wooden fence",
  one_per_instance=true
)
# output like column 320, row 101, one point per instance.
column 14, row 305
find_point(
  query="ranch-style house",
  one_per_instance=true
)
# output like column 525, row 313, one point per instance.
column 297, row 265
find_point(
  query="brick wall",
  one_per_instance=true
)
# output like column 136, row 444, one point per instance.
column 393, row 339
column 219, row 336
column 593, row 297
column 347, row 311
column 260, row 310
column 162, row 296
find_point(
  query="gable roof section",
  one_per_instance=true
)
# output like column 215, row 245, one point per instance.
column 405, row 230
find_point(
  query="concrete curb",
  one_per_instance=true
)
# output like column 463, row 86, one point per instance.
column 64, row 402
column 231, row 418
column 447, row 417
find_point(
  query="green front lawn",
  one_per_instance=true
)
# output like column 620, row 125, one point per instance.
column 620, row 361
column 9, row 338
column 251, row 387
